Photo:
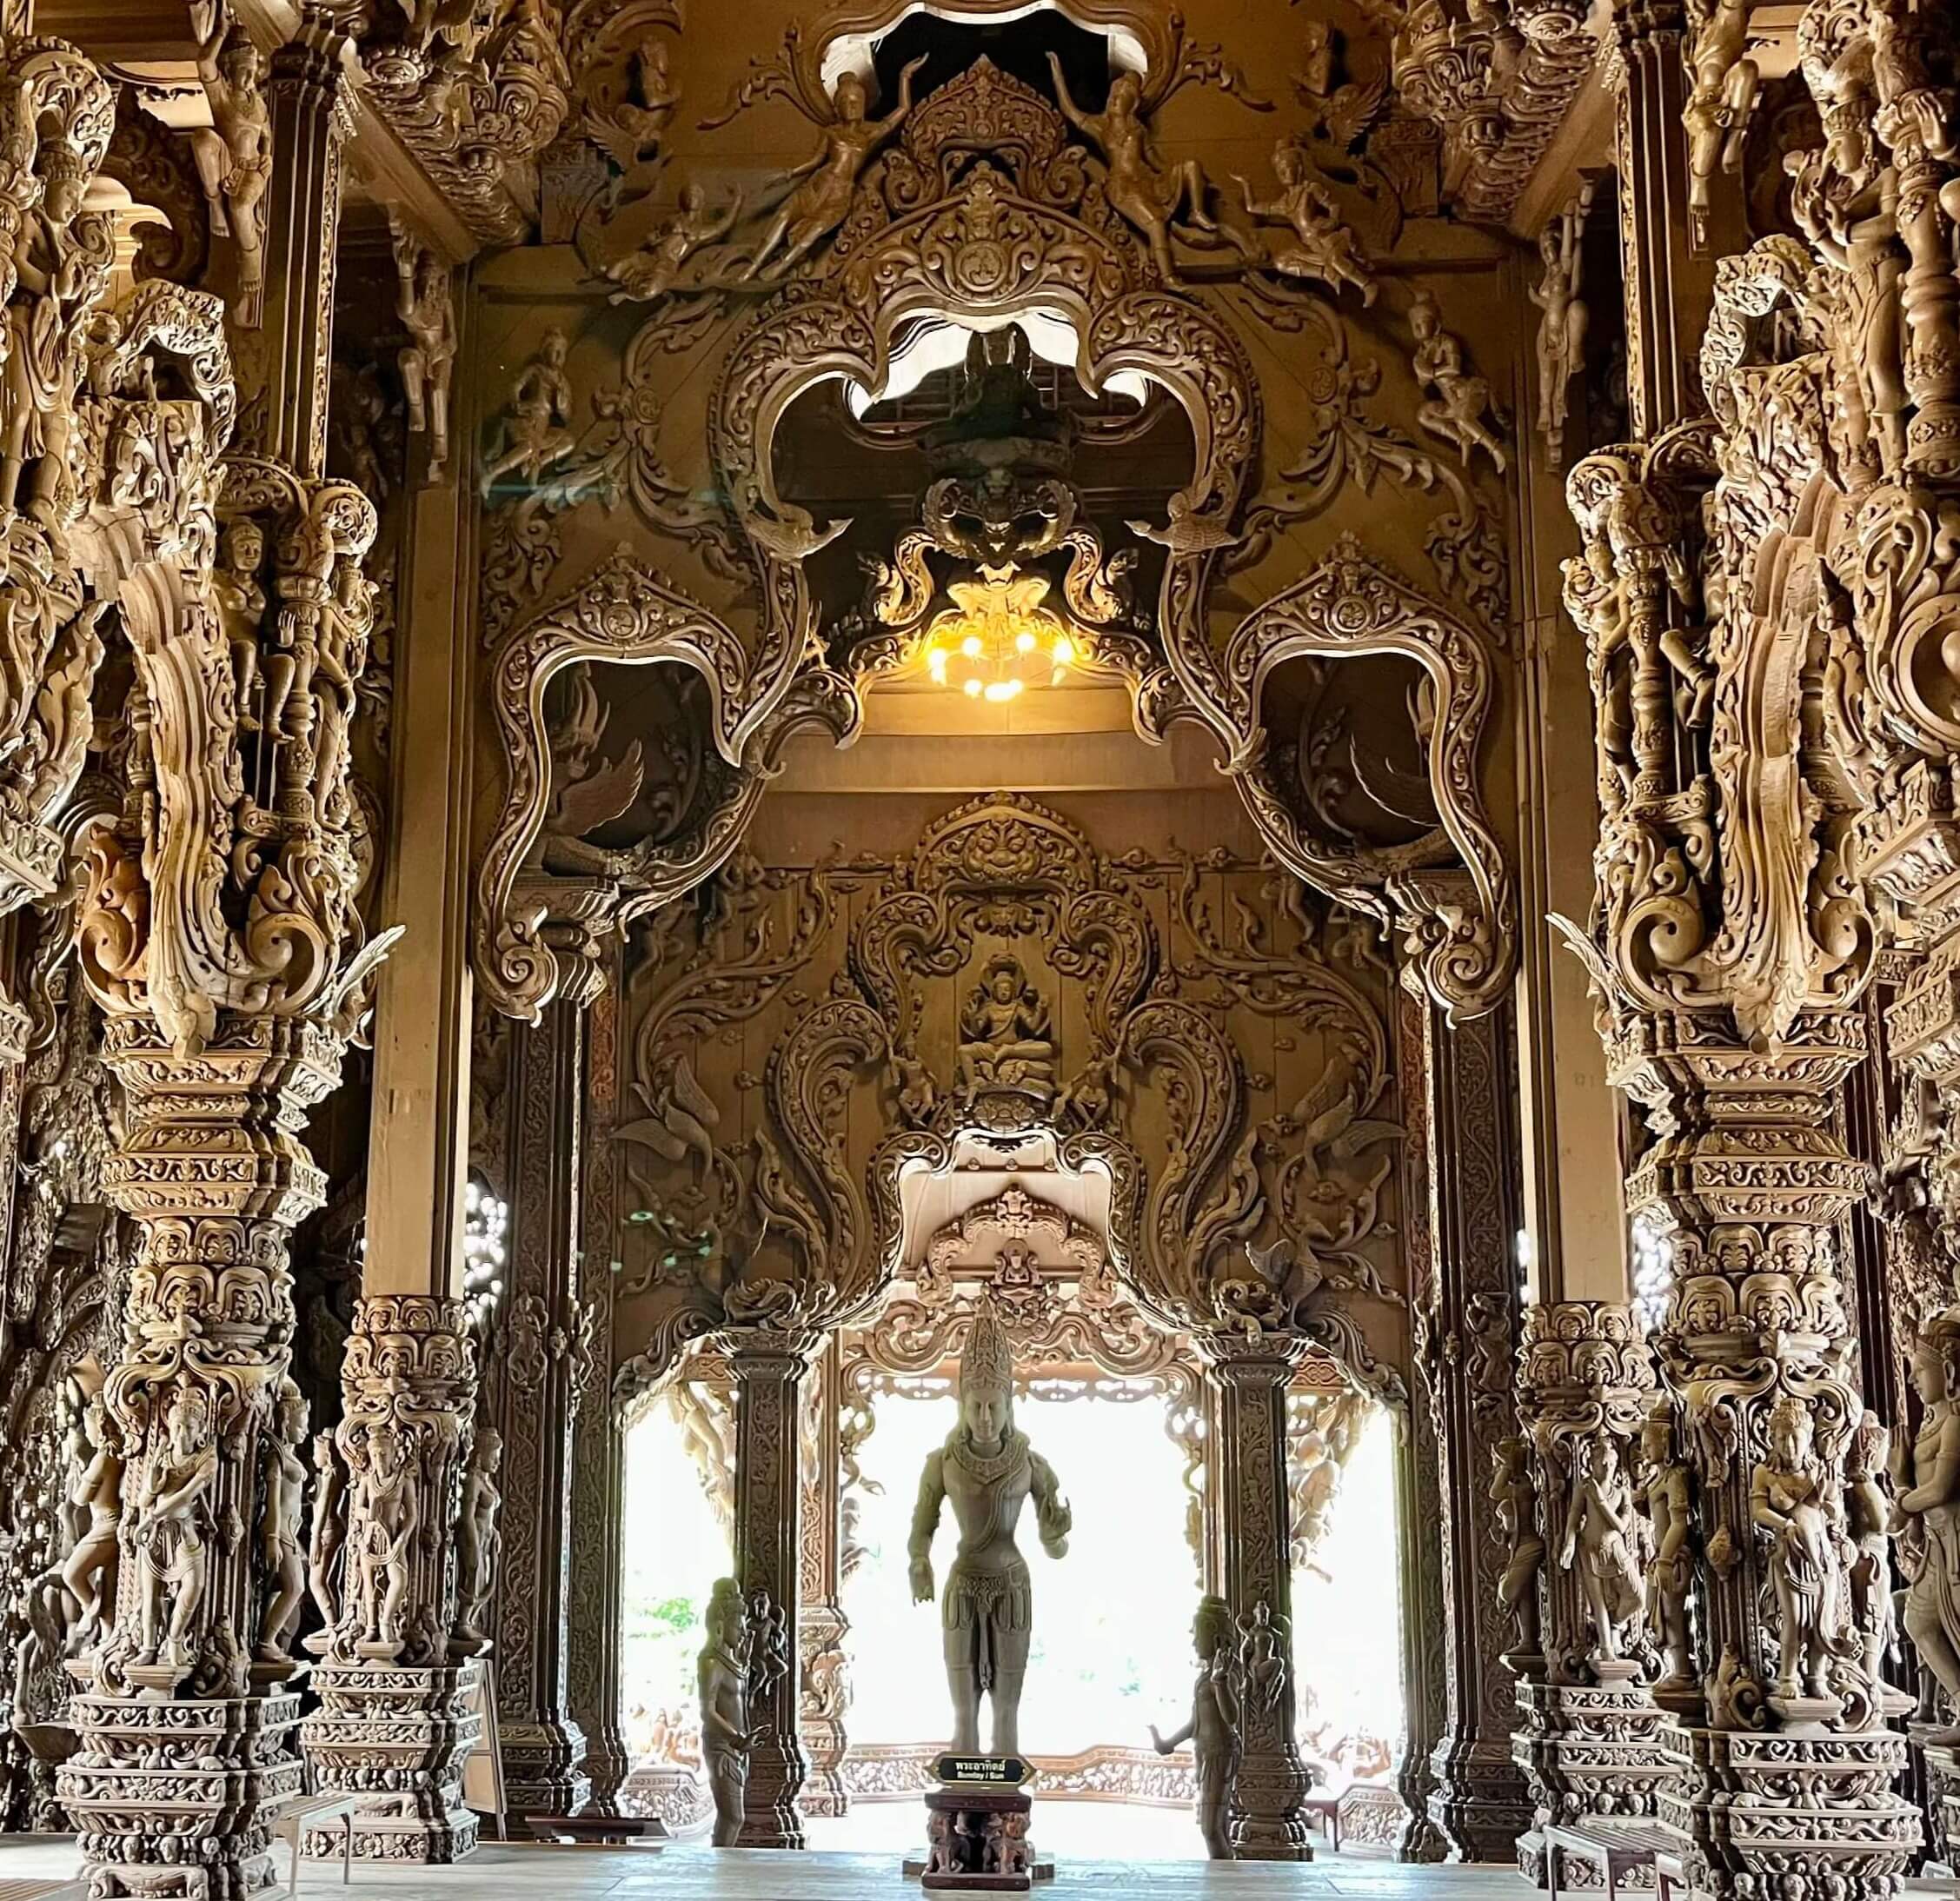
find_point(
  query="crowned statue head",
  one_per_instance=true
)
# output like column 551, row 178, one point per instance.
column 986, row 1380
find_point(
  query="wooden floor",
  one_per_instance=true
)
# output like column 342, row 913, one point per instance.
column 686, row 1872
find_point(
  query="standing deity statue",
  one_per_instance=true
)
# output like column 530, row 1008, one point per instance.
column 1458, row 410
column 1601, row 1538
column 725, row 1734
column 282, row 1502
column 1926, row 1473
column 1791, row 1503
column 1212, row 1731
column 1868, row 1511
column 478, row 1540
column 234, row 154
column 1667, row 1496
column 987, row 1471
column 827, row 181
column 387, row 1516
column 176, row 1530
column 90, row 1572
column 1517, row 1502
column 328, row 1533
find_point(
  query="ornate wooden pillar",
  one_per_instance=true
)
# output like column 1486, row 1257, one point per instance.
column 1590, row 1739
column 1464, row 1318
column 541, row 1361
column 597, row 1479
column 821, row 1628
column 770, row 1370
column 1252, row 1566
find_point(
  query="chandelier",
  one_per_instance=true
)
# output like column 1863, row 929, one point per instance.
column 997, row 639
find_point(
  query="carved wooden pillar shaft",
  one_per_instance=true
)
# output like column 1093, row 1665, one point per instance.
column 1464, row 1348
column 821, row 1625
column 539, row 1365
column 287, row 420
column 769, row 1371
column 1252, row 1566
column 597, row 1482
column 1589, row 1738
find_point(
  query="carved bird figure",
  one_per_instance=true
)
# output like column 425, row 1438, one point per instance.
column 683, row 1121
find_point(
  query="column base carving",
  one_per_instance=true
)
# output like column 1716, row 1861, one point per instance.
column 1267, row 1821
column 399, row 1734
column 1802, row 1817
column 606, row 1766
column 1586, row 1750
column 543, row 1768
column 172, row 1797
column 1479, row 1801
column 772, row 1812
column 824, row 1795
column 1943, row 1793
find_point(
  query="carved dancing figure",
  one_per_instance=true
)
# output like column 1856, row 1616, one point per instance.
column 1515, row 1499
column 388, row 1515
column 240, row 593
column 1789, row 1502
column 234, row 153
column 1212, row 1731
column 1601, row 1538
column 653, row 270
column 58, row 274
column 1867, row 1512
column 827, row 181
column 1720, row 98
column 174, row 1528
column 283, row 1501
column 1456, row 412
column 89, row 1575
column 1007, row 1041
column 1667, row 1495
column 478, row 1538
column 1561, row 338
column 1140, row 190
column 425, row 303
column 1926, row 1473
column 725, row 1736
column 1326, row 250
column 987, row 1471
column 329, row 1531
column 1265, row 1656
column 538, row 432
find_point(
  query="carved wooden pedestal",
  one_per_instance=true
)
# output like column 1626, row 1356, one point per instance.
column 1942, row 1793
column 977, row 1841
column 400, row 1736
column 1587, row 1750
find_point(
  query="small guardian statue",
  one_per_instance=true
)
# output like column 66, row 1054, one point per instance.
column 1212, row 1731
column 987, row 1471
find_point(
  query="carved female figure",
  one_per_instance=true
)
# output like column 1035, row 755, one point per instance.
column 234, row 155
column 174, row 1528
column 1665, row 1492
column 89, row 1573
column 1867, row 1512
column 387, row 1516
column 425, row 303
column 1561, row 338
column 1790, row 1500
column 1515, row 1499
column 1212, row 1731
column 1456, row 412
column 1325, row 248
column 725, row 1734
column 538, row 434
column 828, row 180
column 1600, row 1538
column 477, row 1539
column 1927, row 1474
column 329, row 1530
column 987, row 1471
column 282, row 1499
column 653, row 270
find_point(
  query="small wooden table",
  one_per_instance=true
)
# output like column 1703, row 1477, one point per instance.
column 300, row 1814
column 597, row 1831
column 1328, row 1807
column 1618, row 1853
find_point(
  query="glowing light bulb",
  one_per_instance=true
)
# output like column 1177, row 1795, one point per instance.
column 1064, row 650
column 971, row 646
column 972, row 689
column 998, row 690
column 1024, row 641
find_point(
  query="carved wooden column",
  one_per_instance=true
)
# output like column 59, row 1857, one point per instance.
column 1465, row 1315
column 541, row 1361
column 1590, row 1740
column 820, row 1626
column 1252, row 1566
column 598, row 1496
column 769, row 1371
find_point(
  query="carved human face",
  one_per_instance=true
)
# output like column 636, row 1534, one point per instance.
column 1125, row 93
column 985, row 1416
column 1654, row 1441
column 554, row 349
column 385, row 1449
column 1286, row 164
column 850, row 98
column 1422, row 319
column 240, row 65
column 244, row 547
column 1929, row 1371
column 61, row 197
column 1004, row 987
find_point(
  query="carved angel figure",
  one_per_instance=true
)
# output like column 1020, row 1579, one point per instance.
column 1326, row 249
column 174, row 1528
column 634, row 126
column 478, row 1538
column 1719, row 100
column 328, row 1532
column 827, row 180
column 234, row 153
column 282, row 1496
column 1867, row 1512
column 1601, row 1538
column 1926, row 1472
column 1265, row 1655
column 1561, row 338
column 1458, row 410
column 89, row 1573
column 424, row 302
column 652, row 269
column 1516, row 1500
column 1667, row 1495
column 538, row 431
column 1140, row 188
column 1791, row 1506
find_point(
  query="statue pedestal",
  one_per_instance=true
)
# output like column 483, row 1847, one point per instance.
column 976, row 1828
